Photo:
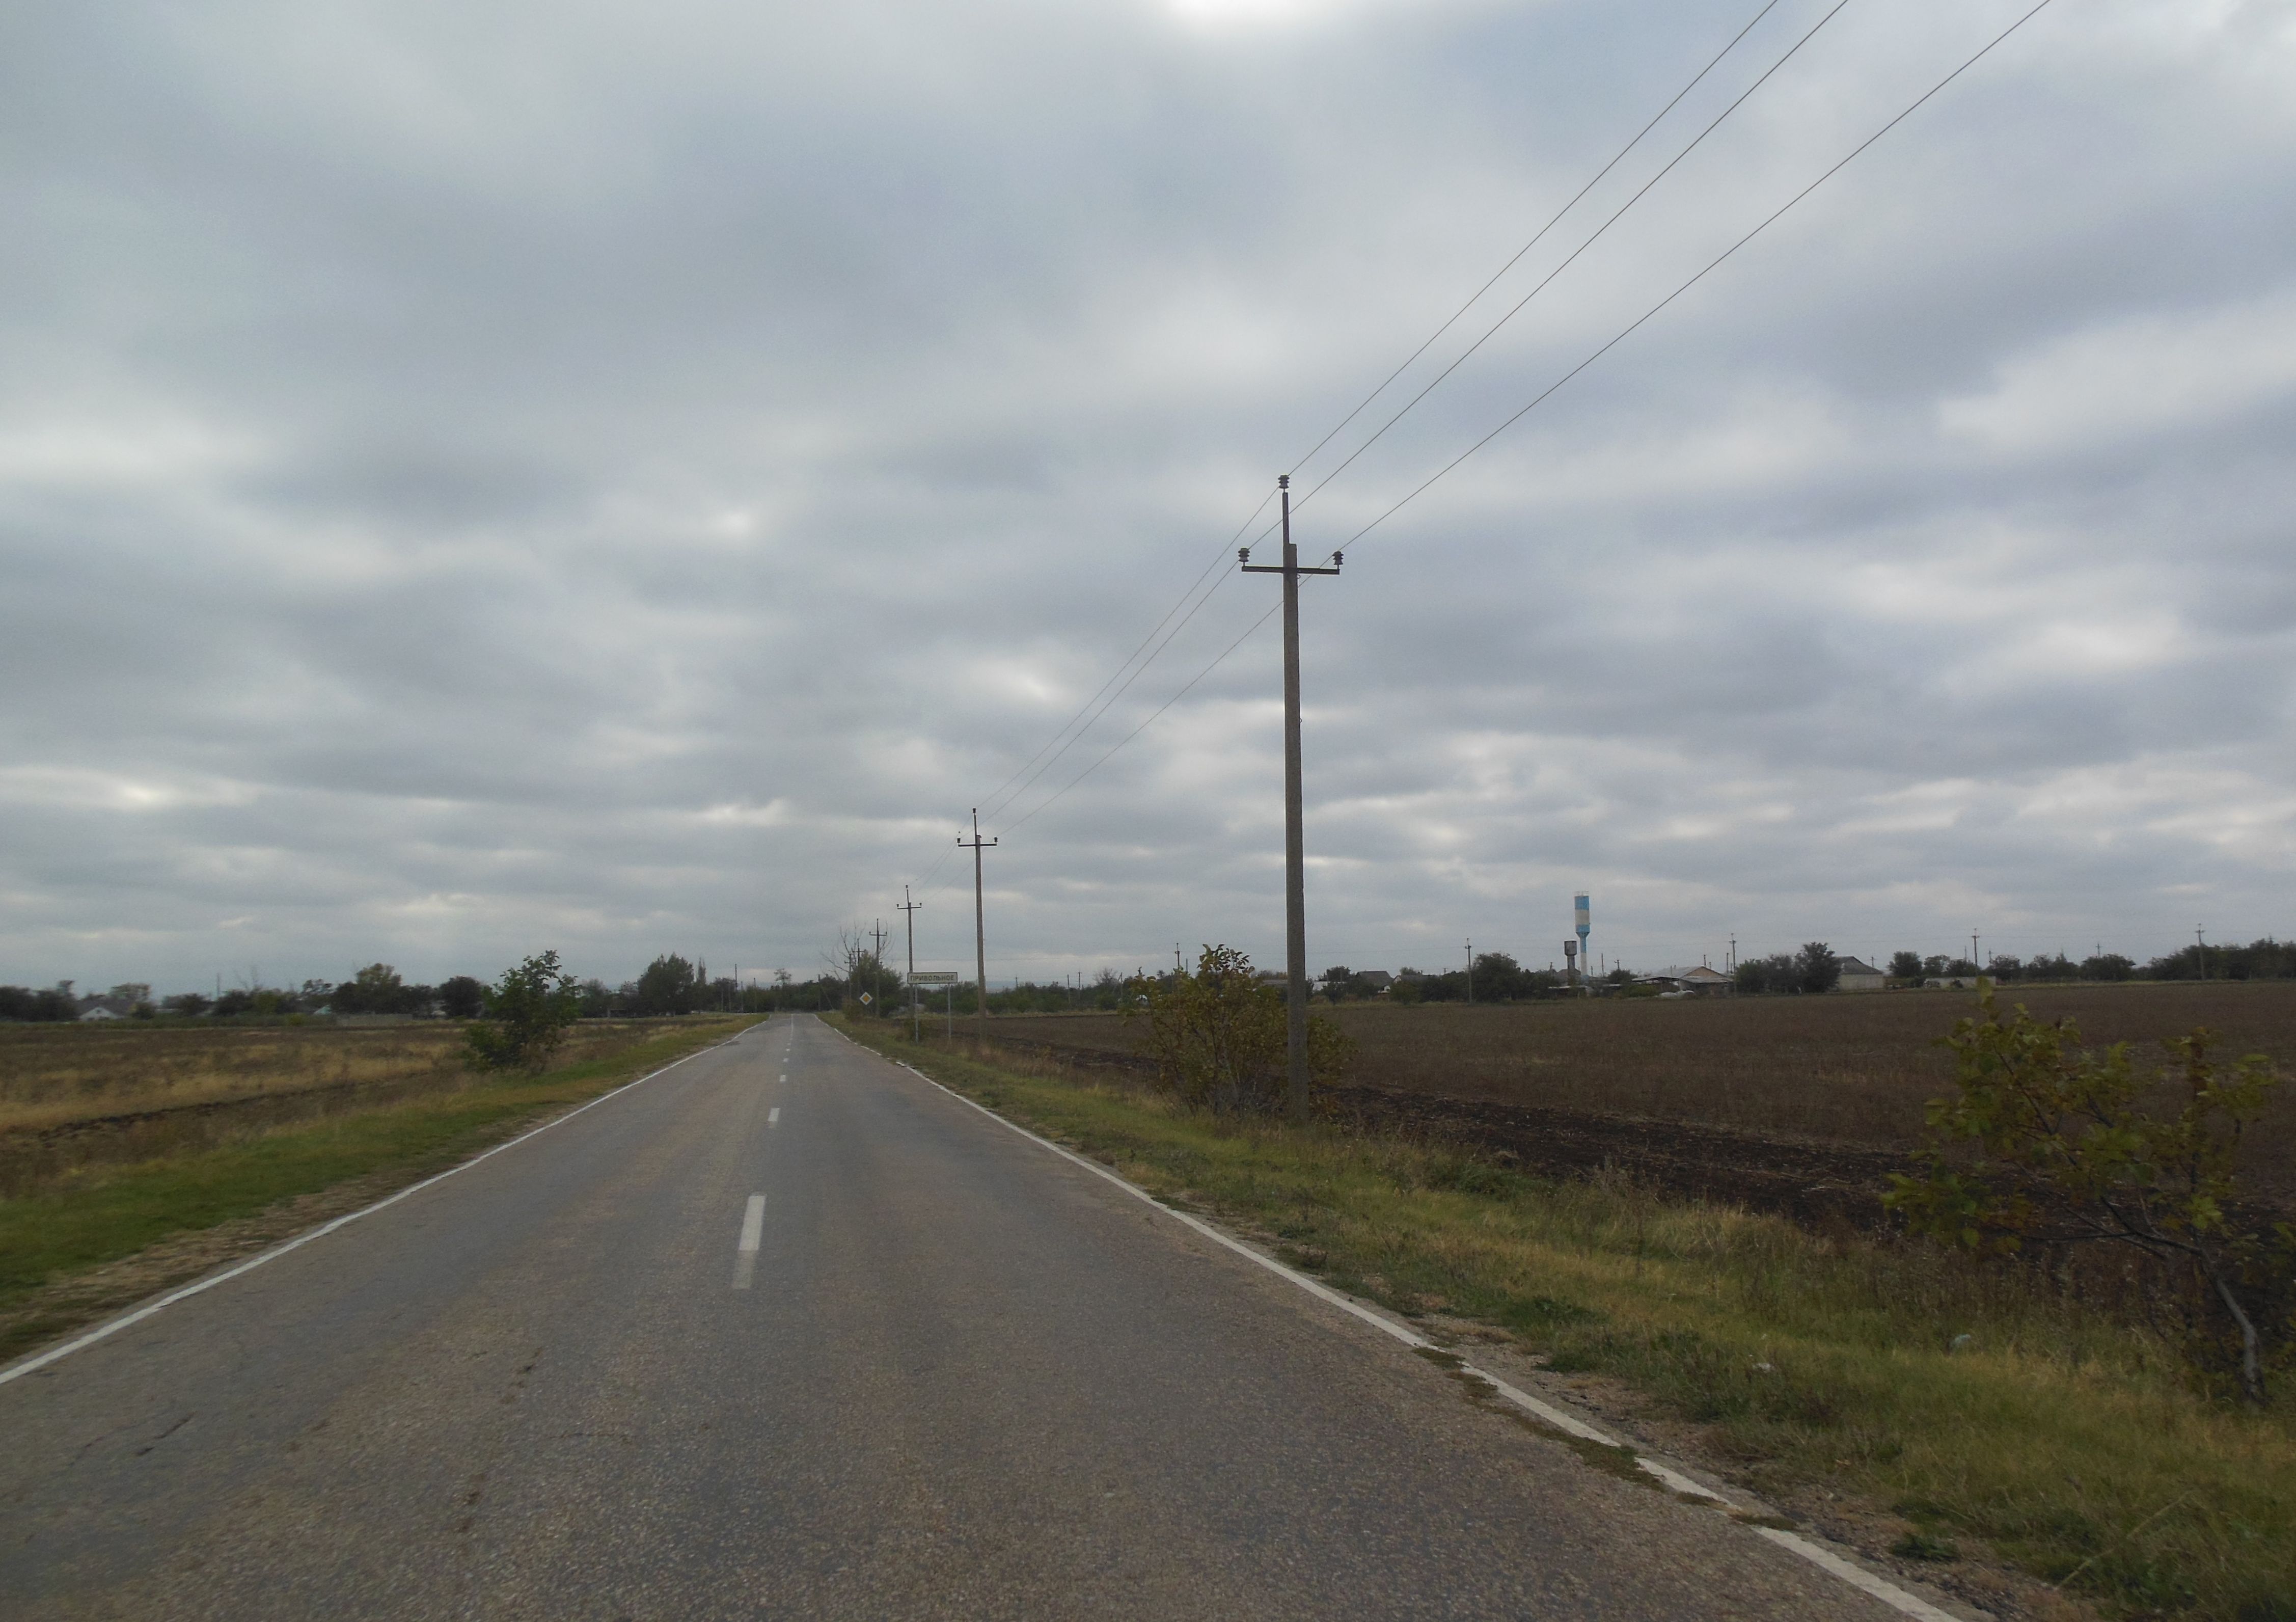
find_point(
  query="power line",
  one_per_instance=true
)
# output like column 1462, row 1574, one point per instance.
column 998, row 804
column 1541, row 235
column 1217, row 558
column 1492, row 330
column 1218, row 660
column 1711, row 265
column 1771, row 220
column 1070, row 733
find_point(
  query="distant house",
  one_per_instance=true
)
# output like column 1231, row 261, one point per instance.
column 1858, row 975
column 1375, row 979
column 105, row 1007
column 1706, row 982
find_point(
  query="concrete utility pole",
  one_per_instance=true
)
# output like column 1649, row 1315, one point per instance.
column 1975, row 967
column 1295, row 844
column 2202, row 943
column 977, row 844
column 1471, row 971
column 909, row 909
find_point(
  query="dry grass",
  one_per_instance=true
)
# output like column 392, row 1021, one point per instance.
column 1854, row 1069
column 53, row 1075
column 74, row 1096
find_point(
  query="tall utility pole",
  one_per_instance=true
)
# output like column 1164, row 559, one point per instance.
column 2200, row 942
column 909, row 909
column 977, row 844
column 1295, row 843
column 1975, row 967
column 1471, row 971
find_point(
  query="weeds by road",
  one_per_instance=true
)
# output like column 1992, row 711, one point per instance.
column 101, row 1215
column 1973, row 1414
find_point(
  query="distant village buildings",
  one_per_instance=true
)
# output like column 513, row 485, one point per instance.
column 1858, row 975
column 120, row 1003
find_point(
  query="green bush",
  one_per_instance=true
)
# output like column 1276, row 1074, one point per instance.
column 528, row 1012
column 2071, row 1149
column 1220, row 1037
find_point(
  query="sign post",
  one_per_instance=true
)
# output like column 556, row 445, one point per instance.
column 945, row 977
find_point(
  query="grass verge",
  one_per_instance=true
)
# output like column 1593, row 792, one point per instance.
column 106, row 1214
column 1982, row 1413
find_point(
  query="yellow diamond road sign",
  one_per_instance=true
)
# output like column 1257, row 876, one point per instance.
column 866, row 1000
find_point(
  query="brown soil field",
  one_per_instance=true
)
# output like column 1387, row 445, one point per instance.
column 72, row 1096
column 1797, row 1104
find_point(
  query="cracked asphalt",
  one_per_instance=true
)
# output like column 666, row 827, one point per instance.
column 964, row 1379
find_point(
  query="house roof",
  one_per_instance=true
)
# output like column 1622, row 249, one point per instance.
column 1852, row 966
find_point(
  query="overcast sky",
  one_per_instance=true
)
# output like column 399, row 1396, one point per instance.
column 628, row 478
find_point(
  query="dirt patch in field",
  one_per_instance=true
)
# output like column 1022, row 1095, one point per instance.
column 1814, row 1182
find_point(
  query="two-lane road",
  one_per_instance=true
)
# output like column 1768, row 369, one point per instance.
column 785, row 1331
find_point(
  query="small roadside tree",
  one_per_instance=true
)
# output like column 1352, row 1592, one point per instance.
column 2071, row 1148
column 461, row 997
column 1219, row 1038
column 1905, row 966
column 528, row 1012
column 1817, row 969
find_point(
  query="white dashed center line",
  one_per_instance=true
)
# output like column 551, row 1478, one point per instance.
column 773, row 1117
column 753, row 1229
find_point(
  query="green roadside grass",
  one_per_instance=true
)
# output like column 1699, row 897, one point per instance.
column 111, row 1213
column 2049, row 1439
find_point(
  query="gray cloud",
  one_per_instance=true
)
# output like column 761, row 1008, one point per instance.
column 472, row 479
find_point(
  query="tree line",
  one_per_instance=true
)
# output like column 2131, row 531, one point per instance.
column 671, row 984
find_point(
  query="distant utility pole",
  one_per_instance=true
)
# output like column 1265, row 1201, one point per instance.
column 1734, row 954
column 909, row 909
column 977, row 844
column 1975, row 967
column 1178, row 968
column 2200, row 943
column 1471, row 971
column 1295, row 844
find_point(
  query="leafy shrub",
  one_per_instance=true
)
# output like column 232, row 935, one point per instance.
column 1220, row 1037
column 528, row 1012
column 2071, row 1149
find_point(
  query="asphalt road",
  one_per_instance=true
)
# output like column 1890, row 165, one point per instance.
column 787, row 1332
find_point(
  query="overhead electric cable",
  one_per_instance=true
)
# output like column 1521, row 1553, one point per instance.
column 1120, row 668
column 1072, row 733
column 999, row 798
column 1543, row 281
column 1711, row 265
column 1144, row 726
column 1541, row 237
column 1771, row 220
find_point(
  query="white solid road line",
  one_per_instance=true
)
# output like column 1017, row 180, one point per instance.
column 773, row 1117
column 105, row 1331
column 753, row 1229
column 1897, row 1599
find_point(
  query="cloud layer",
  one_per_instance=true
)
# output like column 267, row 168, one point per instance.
column 631, row 479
